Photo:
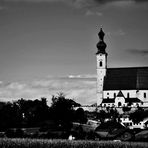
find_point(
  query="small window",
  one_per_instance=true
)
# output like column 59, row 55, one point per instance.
column 114, row 95
column 144, row 95
column 101, row 63
column 107, row 93
column 119, row 104
column 128, row 95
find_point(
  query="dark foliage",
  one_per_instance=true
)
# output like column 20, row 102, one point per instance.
column 109, row 113
column 56, row 119
column 62, row 111
column 80, row 116
column 126, row 109
column 138, row 115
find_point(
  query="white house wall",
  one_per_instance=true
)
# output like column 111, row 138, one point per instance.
column 141, row 94
column 110, row 93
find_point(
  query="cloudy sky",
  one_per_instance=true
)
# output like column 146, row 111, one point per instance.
column 49, row 46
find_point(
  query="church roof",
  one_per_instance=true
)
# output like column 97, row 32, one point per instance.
column 126, row 78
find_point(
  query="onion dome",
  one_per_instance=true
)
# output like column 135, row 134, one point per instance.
column 101, row 45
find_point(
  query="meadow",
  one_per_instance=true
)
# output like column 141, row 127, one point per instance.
column 48, row 143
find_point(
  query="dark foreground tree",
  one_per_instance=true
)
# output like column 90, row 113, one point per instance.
column 80, row 116
column 138, row 115
column 62, row 110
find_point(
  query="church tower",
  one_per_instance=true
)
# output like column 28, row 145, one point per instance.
column 101, row 56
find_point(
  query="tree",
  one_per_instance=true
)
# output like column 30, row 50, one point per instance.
column 62, row 110
column 102, row 115
column 80, row 116
column 32, row 112
column 110, row 113
column 9, row 115
column 138, row 115
column 126, row 108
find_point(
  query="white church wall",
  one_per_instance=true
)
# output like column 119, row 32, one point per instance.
column 142, row 95
column 111, row 93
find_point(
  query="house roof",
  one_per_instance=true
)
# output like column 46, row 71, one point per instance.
column 132, row 100
column 108, row 101
column 127, row 100
column 126, row 78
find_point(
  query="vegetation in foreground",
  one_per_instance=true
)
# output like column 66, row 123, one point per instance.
column 39, row 143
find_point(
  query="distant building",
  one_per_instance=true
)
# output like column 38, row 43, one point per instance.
column 119, row 86
column 130, row 124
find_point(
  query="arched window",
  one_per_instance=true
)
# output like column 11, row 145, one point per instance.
column 144, row 95
column 119, row 104
column 128, row 95
column 101, row 63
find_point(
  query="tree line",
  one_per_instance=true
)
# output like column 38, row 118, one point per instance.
column 36, row 113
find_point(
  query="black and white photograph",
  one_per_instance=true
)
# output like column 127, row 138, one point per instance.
column 73, row 73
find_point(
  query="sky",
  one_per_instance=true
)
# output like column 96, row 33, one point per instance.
column 49, row 46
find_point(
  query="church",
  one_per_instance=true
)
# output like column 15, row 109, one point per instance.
column 119, row 87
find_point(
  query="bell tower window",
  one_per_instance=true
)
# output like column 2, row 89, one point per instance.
column 101, row 63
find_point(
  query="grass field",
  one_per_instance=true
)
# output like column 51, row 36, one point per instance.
column 39, row 143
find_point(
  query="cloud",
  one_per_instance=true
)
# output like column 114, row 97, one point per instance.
column 142, row 52
column 2, row 8
column 91, row 13
column 119, row 32
column 82, row 76
column 86, row 3
column 82, row 88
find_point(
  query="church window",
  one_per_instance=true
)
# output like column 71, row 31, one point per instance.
column 128, row 95
column 144, row 95
column 119, row 104
column 101, row 63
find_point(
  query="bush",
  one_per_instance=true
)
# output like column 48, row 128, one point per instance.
column 36, row 143
column 14, row 133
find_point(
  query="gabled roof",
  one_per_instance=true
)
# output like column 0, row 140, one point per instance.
column 126, row 78
column 120, row 94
